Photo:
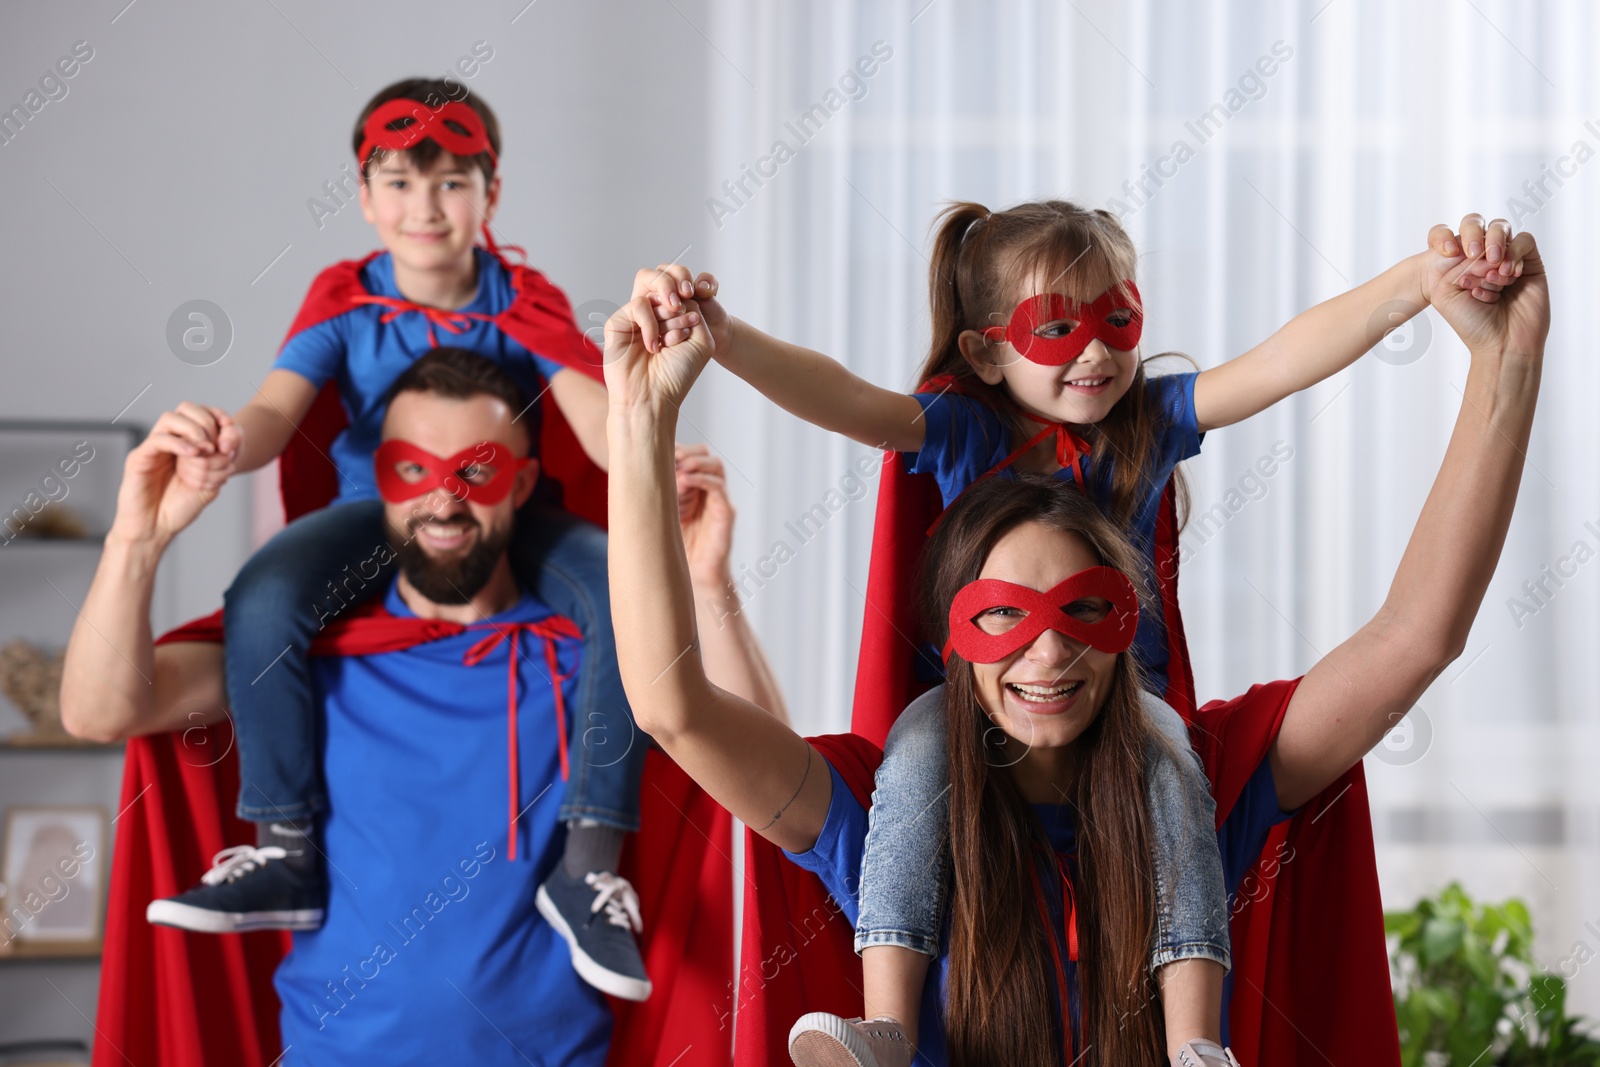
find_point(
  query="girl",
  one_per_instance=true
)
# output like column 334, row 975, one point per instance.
column 1034, row 367
column 1013, row 838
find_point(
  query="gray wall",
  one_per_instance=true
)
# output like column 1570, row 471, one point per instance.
column 178, row 166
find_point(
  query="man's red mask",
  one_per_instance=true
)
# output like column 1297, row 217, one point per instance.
column 427, row 123
column 455, row 474
column 1073, row 608
column 1114, row 318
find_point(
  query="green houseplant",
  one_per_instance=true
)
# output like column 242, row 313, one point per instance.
column 1466, row 993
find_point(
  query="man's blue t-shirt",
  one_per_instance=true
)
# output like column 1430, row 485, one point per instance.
column 432, row 951
column 836, row 859
column 966, row 438
column 363, row 356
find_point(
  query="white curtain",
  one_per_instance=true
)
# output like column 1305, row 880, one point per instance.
column 1319, row 142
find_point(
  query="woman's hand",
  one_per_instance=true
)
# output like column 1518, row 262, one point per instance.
column 645, row 373
column 1493, row 258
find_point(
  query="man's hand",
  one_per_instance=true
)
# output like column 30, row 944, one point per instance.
column 175, row 472
column 705, row 515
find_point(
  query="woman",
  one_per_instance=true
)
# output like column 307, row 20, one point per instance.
column 1034, row 777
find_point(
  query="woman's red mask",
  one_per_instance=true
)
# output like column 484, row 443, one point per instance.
column 459, row 475
column 1097, row 607
column 427, row 123
column 1114, row 318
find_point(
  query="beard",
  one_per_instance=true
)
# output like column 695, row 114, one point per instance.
column 456, row 580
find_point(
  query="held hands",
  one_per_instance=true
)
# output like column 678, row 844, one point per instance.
column 1502, row 305
column 651, row 359
column 175, row 472
column 668, row 286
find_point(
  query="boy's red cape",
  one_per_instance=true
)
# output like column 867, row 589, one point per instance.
column 175, row 999
column 1311, row 970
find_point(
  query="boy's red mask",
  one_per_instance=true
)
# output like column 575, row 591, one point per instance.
column 427, row 123
column 1112, row 631
column 1114, row 318
column 446, row 473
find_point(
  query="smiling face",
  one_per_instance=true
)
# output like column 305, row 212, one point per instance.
column 449, row 546
column 1080, row 392
column 1046, row 694
column 428, row 217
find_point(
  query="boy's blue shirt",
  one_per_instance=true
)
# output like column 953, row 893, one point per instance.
column 363, row 355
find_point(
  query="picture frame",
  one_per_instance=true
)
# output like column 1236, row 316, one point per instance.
column 53, row 873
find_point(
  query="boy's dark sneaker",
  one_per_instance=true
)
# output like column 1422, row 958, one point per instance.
column 248, row 888
column 598, row 915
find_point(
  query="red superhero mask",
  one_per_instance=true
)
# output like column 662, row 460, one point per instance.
column 1116, row 319
column 447, row 473
column 427, row 123
column 1108, row 627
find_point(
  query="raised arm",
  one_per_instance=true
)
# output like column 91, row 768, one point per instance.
column 748, row 761
column 1321, row 342
column 1352, row 696
column 115, row 682
column 804, row 383
column 269, row 419
column 731, row 651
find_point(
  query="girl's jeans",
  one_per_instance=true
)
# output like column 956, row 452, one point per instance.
column 320, row 566
column 905, row 866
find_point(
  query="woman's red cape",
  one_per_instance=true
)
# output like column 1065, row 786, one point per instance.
column 1311, row 972
column 175, row 999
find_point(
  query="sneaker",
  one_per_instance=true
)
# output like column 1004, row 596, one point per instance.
column 824, row 1040
column 247, row 888
column 1203, row 1053
column 598, row 915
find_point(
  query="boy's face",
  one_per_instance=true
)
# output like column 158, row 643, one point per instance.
column 429, row 219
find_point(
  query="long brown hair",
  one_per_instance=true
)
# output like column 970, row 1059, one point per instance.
column 1001, row 995
column 981, row 262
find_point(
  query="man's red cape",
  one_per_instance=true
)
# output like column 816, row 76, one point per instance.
column 1311, row 970
column 174, row 999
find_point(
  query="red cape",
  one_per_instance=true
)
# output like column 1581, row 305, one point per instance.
column 173, row 999
column 539, row 319
column 1311, row 970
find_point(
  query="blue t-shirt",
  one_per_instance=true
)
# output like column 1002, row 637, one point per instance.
column 836, row 859
column 364, row 355
column 433, row 950
column 966, row 438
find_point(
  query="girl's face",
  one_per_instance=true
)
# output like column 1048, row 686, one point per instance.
column 1079, row 393
column 429, row 219
column 1043, row 696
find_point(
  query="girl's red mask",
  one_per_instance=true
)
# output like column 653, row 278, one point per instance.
column 1109, row 630
column 427, row 123
column 446, row 472
column 1114, row 318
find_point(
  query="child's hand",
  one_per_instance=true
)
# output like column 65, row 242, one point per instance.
column 644, row 373
column 668, row 286
column 213, row 441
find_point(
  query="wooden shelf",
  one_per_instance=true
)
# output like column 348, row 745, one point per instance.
column 27, row 743
column 46, row 950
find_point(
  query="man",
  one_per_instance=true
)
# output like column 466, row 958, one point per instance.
column 433, row 949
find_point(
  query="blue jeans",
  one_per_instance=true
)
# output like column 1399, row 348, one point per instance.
column 905, row 868
column 321, row 565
